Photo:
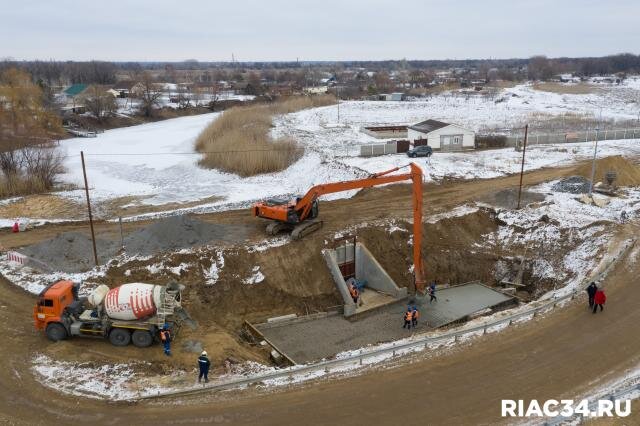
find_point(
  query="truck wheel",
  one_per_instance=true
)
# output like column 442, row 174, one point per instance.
column 141, row 338
column 56, row 331
column 119, row 337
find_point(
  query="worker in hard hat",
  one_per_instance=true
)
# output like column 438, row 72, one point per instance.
column 355, row 294
column 415, row 314
column 165, row 337
column 408, row 317
column 204, row 364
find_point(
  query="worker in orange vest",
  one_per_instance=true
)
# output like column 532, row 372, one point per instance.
column 165, row 336
column 354, row 293
column 408, row 317
column 415, row 314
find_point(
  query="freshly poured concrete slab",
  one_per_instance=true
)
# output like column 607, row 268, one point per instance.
column 455, row 303
column 305, row 341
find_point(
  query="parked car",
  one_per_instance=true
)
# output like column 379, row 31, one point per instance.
column 420, row 151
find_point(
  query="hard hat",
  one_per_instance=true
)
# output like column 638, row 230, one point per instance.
column 204, row 353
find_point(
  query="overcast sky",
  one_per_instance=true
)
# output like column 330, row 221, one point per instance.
column 263, row 30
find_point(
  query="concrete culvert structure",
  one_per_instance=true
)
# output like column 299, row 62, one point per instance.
column 378, row 288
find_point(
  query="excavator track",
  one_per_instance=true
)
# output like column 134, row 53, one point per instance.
column 305, row 228
column 274, row 228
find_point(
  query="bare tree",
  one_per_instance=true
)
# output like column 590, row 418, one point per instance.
column 99, row 102
column 149, row 94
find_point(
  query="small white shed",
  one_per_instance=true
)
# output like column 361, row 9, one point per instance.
column 441, row 136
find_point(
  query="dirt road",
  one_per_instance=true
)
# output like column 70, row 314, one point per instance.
column 370, row 204
column 559, row 355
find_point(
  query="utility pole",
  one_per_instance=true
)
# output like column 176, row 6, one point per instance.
column 595, row 153
column 86, row 189
column 593, row 164
column 338, row 99
column 524, row 150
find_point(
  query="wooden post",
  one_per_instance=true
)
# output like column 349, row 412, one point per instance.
column 121, row 233
column 524, row 150
column 86, row 189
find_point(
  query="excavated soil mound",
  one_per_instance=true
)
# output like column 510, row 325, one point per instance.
column 70, row 252
column 628, row 173
column 508, row 198
column 179, row 232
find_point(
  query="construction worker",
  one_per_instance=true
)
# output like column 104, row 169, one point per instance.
column 354, row 293
column 408, row 317
column 591, row 291
column 432, row 292
column 204, row 364
column 415, row 314
column 165, row 337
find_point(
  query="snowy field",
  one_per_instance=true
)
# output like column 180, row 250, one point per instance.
column 156, row 162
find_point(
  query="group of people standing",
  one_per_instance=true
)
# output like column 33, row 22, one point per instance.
column 412, row 314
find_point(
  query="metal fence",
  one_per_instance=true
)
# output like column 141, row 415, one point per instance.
column 572, row 137
column 363, row 357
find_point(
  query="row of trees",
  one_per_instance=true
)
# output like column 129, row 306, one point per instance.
column 58, row 73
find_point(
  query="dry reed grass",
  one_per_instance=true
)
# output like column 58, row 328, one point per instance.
column 239, row 141
column 567, row 89
column 21, row 185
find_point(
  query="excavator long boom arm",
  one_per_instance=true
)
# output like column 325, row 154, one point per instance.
column 415, row 175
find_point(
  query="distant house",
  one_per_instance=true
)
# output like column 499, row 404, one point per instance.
column 396, row 96
column 70, row 98
column 317, row 90
column 441, row 136
column 74, row 90
column 127, row 88
column 113, row 92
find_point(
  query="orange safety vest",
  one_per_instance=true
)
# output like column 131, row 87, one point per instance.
column 407, row 316
column 416, row 314
column 353, row 291
column 164, row 335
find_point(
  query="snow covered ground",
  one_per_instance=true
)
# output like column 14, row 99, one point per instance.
column 156, row 162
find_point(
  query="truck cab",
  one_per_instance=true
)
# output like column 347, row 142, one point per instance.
column 49, row 309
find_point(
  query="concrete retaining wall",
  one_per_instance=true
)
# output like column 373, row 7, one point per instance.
column 367, row 268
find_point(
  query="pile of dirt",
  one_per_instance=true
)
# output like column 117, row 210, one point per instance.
column 628, row 173
column 70, row 252
column 572, row 185
column 508, row 198
column 179, row 232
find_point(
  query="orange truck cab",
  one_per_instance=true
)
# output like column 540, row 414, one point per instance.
column 48, row 313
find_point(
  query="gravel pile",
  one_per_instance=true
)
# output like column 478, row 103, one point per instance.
column 572, row 185
column 508, row 198
column 178, row 232
column 70, row 252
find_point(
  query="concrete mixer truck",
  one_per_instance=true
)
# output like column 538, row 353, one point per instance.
column 129, row 313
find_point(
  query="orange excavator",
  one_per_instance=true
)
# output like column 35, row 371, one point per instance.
column 300, row 215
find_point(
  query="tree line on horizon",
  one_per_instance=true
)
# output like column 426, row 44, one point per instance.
column 52, row 72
